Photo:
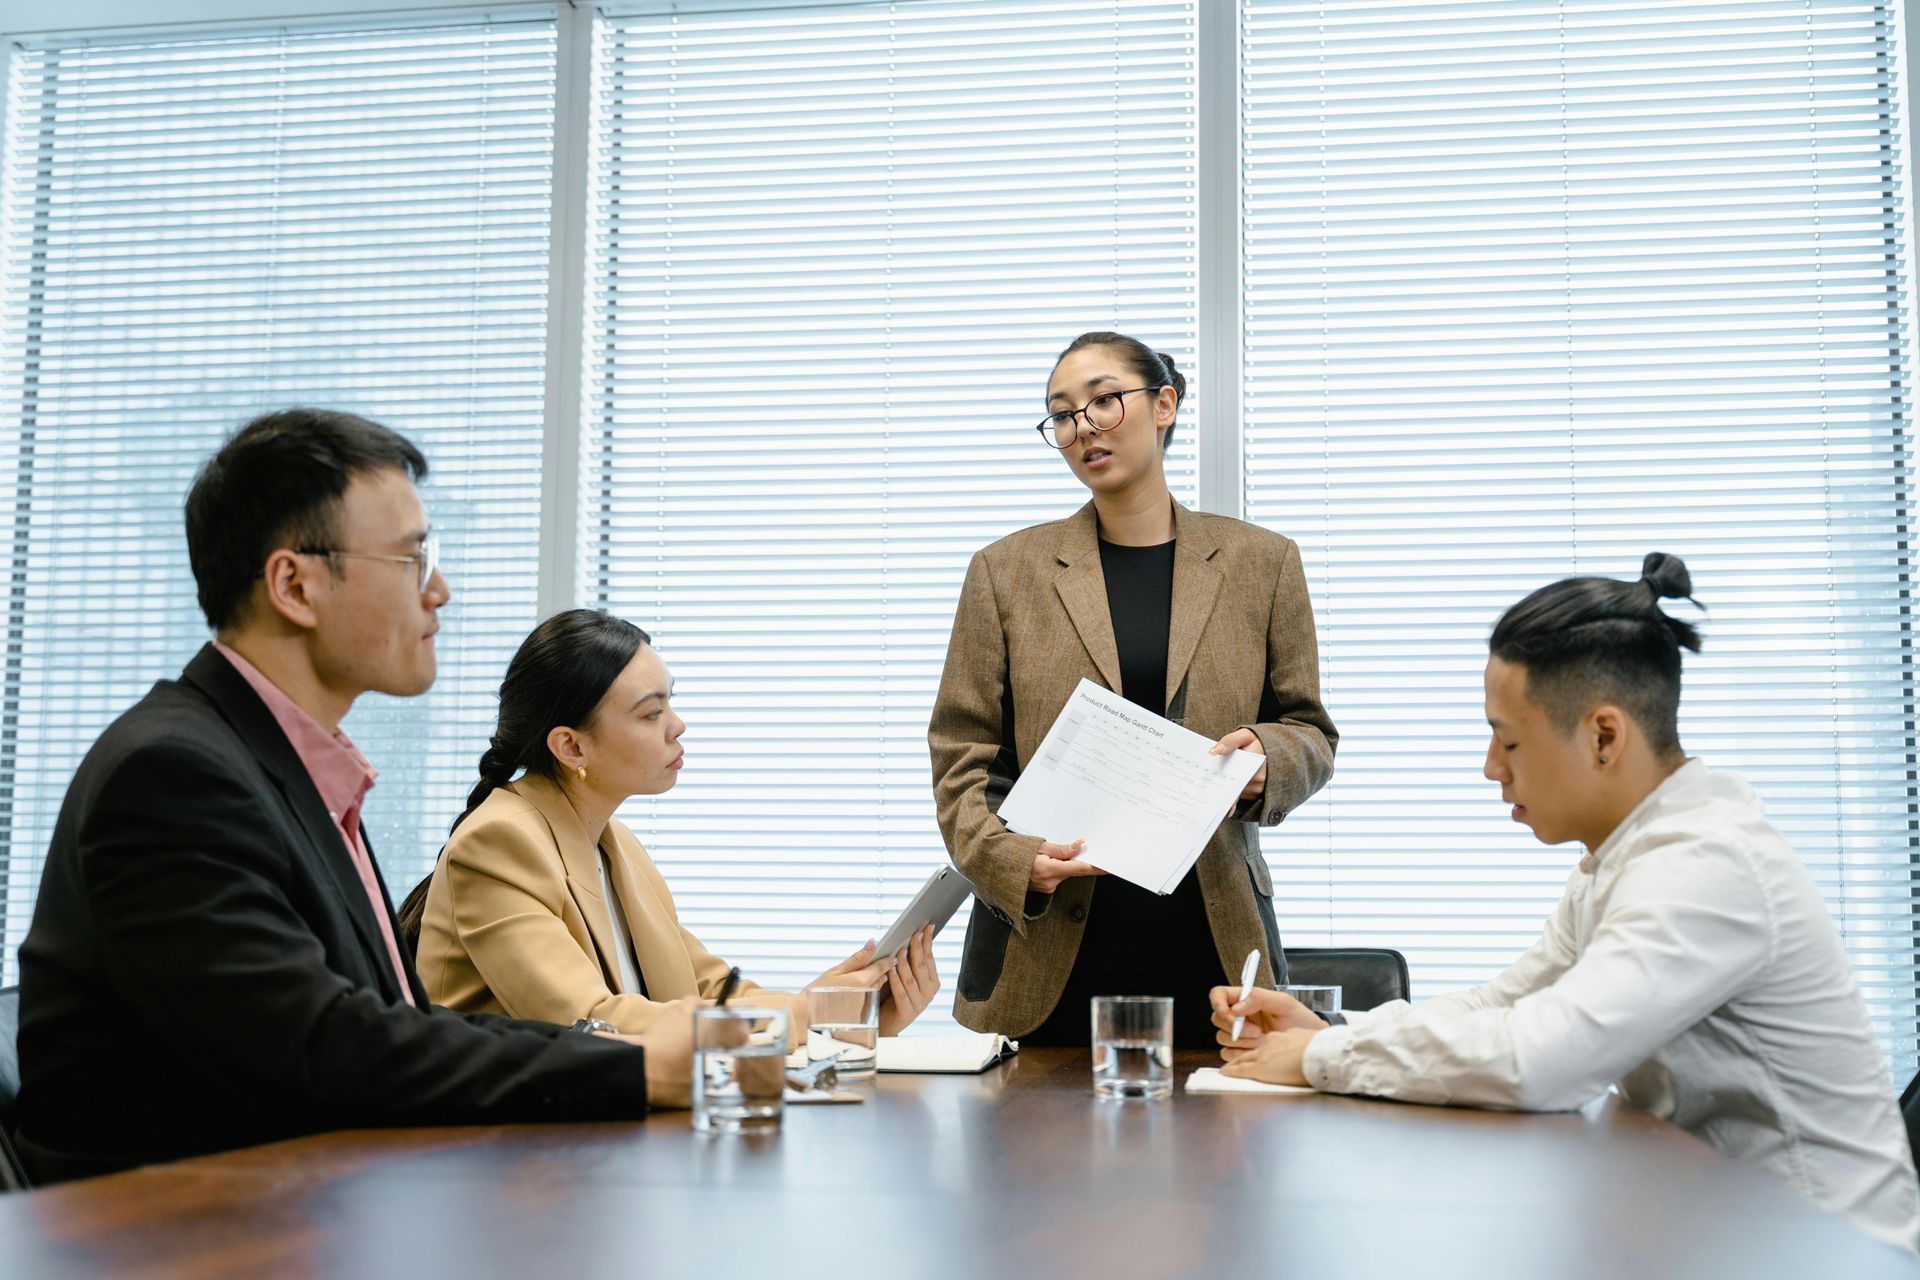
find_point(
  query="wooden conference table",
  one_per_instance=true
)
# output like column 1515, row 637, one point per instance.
column 1018, row 1172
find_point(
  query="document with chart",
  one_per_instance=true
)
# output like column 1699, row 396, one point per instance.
column 1142, row 791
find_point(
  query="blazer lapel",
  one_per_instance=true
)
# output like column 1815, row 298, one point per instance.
column 581, row 858
column 1196, row 585
column 656, row 934
column 241, row 707
column 1083, row 590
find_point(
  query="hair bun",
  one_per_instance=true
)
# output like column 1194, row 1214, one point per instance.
column 1174, row 376
column 1667, row 576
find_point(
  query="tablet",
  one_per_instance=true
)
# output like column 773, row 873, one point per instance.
column 934, row 905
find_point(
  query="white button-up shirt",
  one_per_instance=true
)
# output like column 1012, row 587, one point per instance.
column 1692, row 961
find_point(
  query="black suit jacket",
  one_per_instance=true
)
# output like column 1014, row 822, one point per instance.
column 205, row 971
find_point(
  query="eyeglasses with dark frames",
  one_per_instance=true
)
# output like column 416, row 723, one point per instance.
column 1101, row 414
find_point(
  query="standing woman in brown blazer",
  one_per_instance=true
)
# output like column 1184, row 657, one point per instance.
column 543, row 904
column 1197, row 617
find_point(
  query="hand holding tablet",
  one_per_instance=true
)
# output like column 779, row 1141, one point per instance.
column 934, row 905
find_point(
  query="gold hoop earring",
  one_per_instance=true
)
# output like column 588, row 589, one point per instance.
column 582, row 771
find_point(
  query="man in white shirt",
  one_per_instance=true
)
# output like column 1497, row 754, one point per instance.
column 1691, row 960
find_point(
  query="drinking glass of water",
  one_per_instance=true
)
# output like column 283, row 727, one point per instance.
column 1133, row 1046
column 739, row 1068
column 843, row 1023
column 1321, row 1000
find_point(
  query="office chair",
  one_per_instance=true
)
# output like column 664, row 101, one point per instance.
column 1367, row 976
column 13, row 1174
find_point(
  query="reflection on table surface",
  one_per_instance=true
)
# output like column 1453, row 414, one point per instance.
column 1019, row 1171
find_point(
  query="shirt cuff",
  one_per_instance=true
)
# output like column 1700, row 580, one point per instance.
column 1361, row 1017
column 1326, row 1062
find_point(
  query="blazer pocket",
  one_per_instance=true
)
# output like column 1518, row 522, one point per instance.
column 984, row 953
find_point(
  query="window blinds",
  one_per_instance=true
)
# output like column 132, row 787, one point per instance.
column 1529, row 289
column 835, row 251
column 198, row 230
column 1532, row 289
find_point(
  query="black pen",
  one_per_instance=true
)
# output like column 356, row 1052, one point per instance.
column 726, row 988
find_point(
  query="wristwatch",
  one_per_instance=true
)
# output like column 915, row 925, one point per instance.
column 1334, row 1019
column 595, row 1024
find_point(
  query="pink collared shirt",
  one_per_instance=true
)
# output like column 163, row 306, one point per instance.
column 342, row 776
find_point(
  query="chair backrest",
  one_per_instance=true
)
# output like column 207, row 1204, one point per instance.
column 1367, row 976
column 13, row 1175
column 1910, row 1112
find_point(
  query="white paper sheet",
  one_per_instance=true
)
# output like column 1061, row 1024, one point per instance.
column 1138, row 788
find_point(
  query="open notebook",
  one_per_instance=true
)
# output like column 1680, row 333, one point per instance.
column 965, row 1053
column 1209, row 1080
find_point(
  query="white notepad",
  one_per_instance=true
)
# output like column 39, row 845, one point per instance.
column 1209, row 1080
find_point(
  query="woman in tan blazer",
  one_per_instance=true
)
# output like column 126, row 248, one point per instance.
column 543, row 904
column 1197, row 617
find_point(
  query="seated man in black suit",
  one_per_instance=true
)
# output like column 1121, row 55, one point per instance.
column 212, row 961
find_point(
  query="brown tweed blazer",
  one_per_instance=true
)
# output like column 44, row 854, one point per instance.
column 1032, row 620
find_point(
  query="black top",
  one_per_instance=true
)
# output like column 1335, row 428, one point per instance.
column 1138, row 943
column 205, row 969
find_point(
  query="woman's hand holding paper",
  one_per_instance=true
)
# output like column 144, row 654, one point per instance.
column 1246, row 740
column 1057, row 862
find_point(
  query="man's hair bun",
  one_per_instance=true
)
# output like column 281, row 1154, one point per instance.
column 1667, row 575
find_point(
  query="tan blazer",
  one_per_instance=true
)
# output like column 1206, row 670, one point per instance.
column 515, row 924
column 1033, row 620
